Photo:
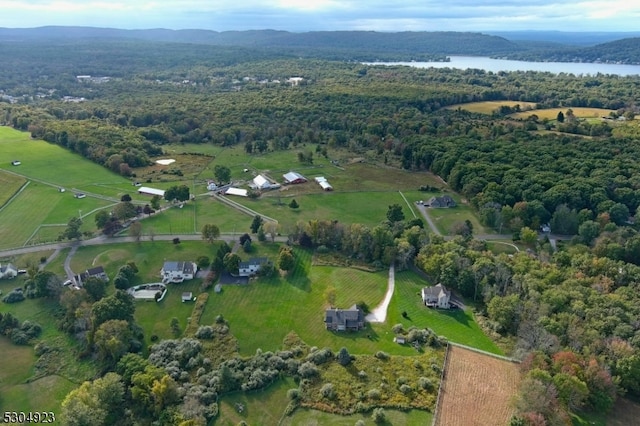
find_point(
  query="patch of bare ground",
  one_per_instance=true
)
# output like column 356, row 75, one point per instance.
column 625, row 412
column 477, row 389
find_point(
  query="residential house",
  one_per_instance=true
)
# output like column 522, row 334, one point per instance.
column 8, row 271
column 351, row 319
column 97, row 272
column 293, row 177
column 445, row 201
column 436, row 297
column 252, row 266
column 177, row 272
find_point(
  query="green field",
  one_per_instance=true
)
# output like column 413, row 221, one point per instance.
column 456, row 325
column 10, row 184
column 489, row 107
column 552, row 113
column 444, row 219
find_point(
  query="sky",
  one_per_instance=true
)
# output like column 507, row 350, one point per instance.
column 316, row 15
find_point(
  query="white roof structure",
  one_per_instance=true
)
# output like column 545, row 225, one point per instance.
column 150, row 191
column 326, row 185
column 261, row 182
column 294, row 177
column 237, row 191
column 320, row 179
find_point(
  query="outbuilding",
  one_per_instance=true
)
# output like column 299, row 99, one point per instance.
column 293, row 177
column 145, row 190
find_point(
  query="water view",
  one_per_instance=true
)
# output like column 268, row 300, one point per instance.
column 497, row 65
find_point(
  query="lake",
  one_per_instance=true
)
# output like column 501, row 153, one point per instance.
column 497, row 65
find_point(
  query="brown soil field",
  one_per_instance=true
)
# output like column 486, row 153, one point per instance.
column 624, row 413
column 477, row 389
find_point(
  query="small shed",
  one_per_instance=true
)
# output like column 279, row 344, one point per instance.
column 218, row 288
column 187, row 296
column 150, row 191
column 401, row 340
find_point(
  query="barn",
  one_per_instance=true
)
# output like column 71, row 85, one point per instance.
column 324, row 183
column 293, row 178
column 145, row 190
column 260, row 182
column 237, row 191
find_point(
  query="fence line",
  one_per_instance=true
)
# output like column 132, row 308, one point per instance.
column 441, row 386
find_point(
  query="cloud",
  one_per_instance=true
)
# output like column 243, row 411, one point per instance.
column 303, row 15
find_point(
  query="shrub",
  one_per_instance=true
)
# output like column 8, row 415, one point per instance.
column 363, row 375
column 219, row 319
column 382, row 355
column 425, row 383
column 154, row 338
column 398, row 329
column 41, row 348
column 320, row 356
column 293, row 394
column 374, row 394
column 322, row 249
column 19, row 337
column 327, row 391
column 308, row 369
column 360, row 423
column 401, row 380
column 203, row 262
column 205, row 332
column 405, row 389
column 15, row 296
column 378, row 415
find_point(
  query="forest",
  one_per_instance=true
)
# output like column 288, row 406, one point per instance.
column 570, row 314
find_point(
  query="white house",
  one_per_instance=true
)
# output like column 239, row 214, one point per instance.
column 246, row 269
column 436, row 297
column 177, row 272
column 8, row 271
column 211, row 186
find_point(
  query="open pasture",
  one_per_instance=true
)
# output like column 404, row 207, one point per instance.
column 39, row 204
column 305, row 416
column 489, row 107
column 10, row 184
column 456, row 325
column 552, row 113
column 48, row 162
column 445, row 219
column 472, row 383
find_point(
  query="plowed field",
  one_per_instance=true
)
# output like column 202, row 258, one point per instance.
column 477, row 389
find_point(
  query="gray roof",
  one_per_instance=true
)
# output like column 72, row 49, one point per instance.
column 8, row 266
column 98, row 270
column 347, row 317
column 256, row 261
column 436, row 290
column 184, row 267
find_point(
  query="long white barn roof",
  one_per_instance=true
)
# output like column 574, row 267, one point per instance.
column 150, row 191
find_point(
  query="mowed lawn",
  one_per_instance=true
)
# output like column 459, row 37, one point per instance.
column 445, row 219
column 456, row 325
column 262, row 313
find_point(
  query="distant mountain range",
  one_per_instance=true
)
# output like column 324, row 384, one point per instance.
column 370, row 45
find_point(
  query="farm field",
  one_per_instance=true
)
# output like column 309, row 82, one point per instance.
column 473, row 382
column 552, row 113
column 488, row 107
column 456, row 325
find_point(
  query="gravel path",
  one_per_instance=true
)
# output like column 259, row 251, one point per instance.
column 379, row 313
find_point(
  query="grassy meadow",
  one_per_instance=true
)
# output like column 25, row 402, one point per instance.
column 489, row 107
column 10, row 184
column 552, row 113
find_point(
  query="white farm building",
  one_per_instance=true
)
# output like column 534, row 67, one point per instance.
column 150, row 191
column 324, row 183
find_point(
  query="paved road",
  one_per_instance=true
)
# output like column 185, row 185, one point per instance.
column 228, row 237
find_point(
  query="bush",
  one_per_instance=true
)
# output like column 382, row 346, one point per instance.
column 322, row 249
column 405, row 389
column 378, row 415
column 203, row 262
column 374, row 394
column 307, row 369
column 205, row 332
column 425, row 383
column 398, row 329
column 382, row 355
column 363, row 375
column 15, row 296
column 320, row 356
column 19, row 337
column 327, row 391
column 293, row 394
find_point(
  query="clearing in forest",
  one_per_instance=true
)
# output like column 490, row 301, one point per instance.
column 489, row 107
column 477, row 389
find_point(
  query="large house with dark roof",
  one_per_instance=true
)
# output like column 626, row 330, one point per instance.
column 351, row 319
column 177, row 272
column 97, row 272
column 444, row 201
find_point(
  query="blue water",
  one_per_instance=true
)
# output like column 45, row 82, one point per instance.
column 497, row 65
